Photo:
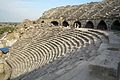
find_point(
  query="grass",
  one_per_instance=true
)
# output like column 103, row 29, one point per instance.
column 6, row 29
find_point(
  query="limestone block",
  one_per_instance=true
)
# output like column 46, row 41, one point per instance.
column 1, row 67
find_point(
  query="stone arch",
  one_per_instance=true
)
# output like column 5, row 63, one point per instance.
column 77, row 24
column 42, row 21
column 89, row 24
column 65, row 23
column 102, row 25
column 55, row 23
column 34, row 22
column 115, row 25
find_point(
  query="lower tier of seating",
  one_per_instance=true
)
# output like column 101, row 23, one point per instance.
column 45, row 57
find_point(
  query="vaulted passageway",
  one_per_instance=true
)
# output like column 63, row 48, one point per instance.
column 102, row 25
column 55, row 23
column 65, row 23
column 77, row 24
column 89, row 24
column 42, row 21
column 115, row 25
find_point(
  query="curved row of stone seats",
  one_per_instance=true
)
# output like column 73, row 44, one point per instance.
column 52, row 34
column 94, row 9
column 72, row 33
column 53, row 11
column 76, row 11
column 52, row 78
column 46, row 14
column 36, row 55
column 93, row 38
column 96, row 39
column 29, row 38
column 48, row 77
column 91, row 10
column 114, row 12
column 99, row 10
column 18, row 50
column 26, row 39
column 42, row 40
column 97, row 33
column 48, row 67
column 72, row 43
column 57, row 12
column 39, row 38
column 26, row 54
column 68, row 12
column 103, row 36
column 55, row 66
column 102, row 12
column 81, row 10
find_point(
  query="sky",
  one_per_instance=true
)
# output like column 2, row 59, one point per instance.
column 18, row 10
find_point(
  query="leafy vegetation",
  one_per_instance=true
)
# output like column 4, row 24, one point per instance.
column 6, row 29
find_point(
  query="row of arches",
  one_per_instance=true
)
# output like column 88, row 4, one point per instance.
column 64, row 23
column 101, row 25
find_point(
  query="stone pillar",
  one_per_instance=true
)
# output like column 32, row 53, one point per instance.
column 109, row 23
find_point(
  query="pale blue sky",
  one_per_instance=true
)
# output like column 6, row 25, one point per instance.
column 18, row 10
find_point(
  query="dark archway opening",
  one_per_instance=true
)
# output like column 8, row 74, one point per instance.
column 77, row 24
column 116, row 25
column 102, row 25
column 65, row 23
column 34, row 22
column 42, row 21
column 89, row 24
column 55, row 23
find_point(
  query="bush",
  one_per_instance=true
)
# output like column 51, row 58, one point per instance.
column 6, row 29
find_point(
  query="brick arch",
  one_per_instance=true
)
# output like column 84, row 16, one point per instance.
column 115, row 25
column 102, row 25
column 77, row 24
column 89, row 24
